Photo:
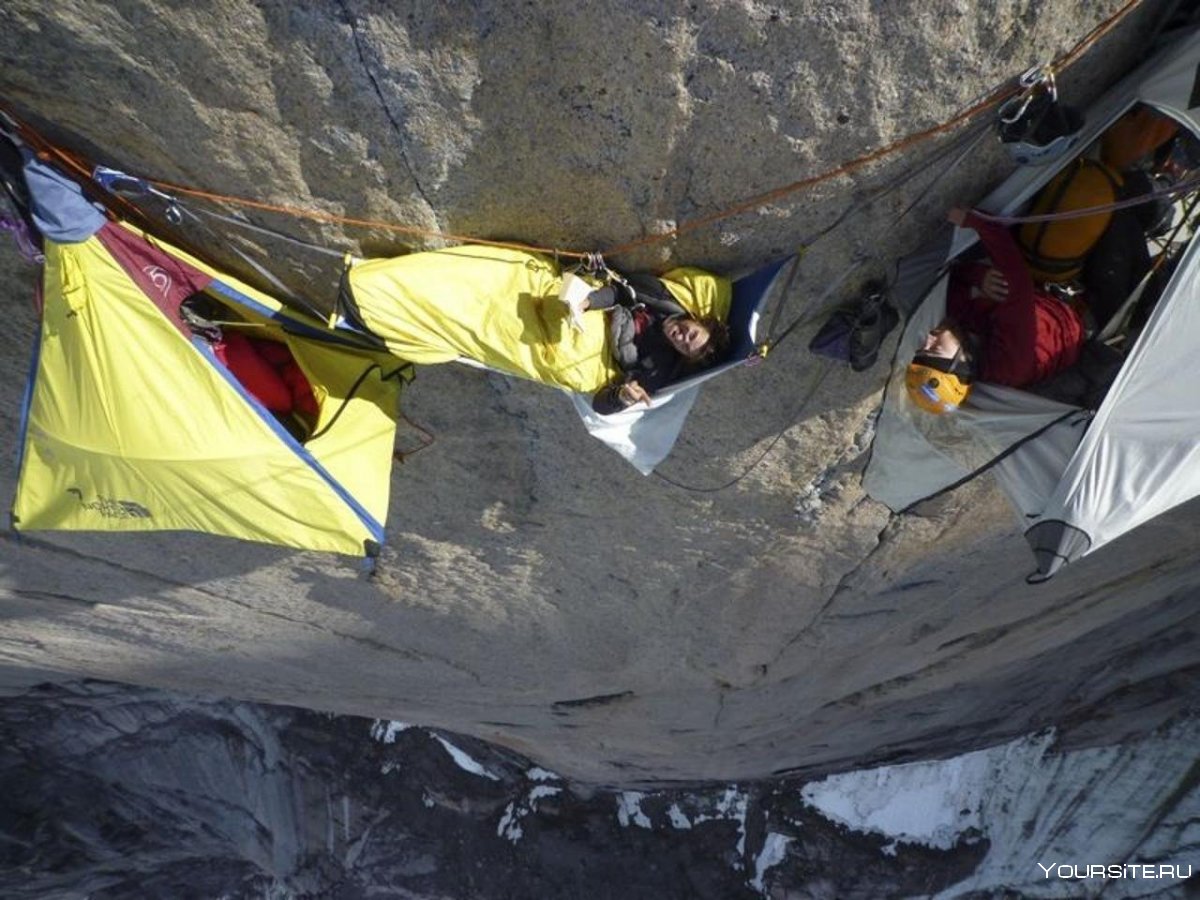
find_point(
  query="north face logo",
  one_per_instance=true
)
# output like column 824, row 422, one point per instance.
column 110, row 508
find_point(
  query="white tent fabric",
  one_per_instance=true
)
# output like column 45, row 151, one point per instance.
column 1140, row 457
column 919, row 455
column 1073, row 485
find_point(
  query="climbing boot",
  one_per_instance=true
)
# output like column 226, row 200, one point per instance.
column 876, row 318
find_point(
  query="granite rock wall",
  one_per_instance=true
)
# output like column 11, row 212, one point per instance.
column 536, row 591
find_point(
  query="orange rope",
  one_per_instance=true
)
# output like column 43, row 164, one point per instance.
column 995, row 97
column 1094, row 35
column 46, row 150
column 320, row 216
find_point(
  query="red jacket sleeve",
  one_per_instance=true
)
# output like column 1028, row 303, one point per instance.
column 1010, row 345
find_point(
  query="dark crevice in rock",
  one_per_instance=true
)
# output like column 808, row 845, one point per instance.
column 52, row 597
column 401, row 145
column 842, row 584
column 589, row 702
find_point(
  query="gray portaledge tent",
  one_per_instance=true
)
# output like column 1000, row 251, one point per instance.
column 1076, row 479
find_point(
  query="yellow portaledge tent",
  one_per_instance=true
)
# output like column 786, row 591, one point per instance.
column 133, row 423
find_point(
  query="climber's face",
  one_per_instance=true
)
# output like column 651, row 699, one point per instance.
column 942, row 342
column 686, row 335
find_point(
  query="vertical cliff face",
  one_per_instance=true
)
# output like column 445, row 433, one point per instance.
column 535, row 591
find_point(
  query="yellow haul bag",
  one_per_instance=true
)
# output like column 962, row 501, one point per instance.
column 1056, row 250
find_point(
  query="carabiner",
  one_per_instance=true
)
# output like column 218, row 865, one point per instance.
column 1033, row 76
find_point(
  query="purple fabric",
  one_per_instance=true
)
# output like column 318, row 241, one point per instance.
column 25, row 243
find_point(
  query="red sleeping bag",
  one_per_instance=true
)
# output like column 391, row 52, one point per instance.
column 267, row 370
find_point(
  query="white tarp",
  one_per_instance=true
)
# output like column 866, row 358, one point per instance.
column 917, row 455
column 643, row 435
column 1138, row 458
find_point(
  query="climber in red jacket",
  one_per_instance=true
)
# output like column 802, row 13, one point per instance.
column 1000, row 327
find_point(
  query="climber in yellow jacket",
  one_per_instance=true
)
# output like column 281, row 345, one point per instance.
column 501, row 308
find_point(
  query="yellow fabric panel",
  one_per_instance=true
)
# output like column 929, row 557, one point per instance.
column 496, row 306
column 357, row 448
column 701, row 293
column 266, row 498
column 1055, row 251
column 132, row 428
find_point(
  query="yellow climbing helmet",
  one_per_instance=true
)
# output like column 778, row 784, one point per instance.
column 933, row 389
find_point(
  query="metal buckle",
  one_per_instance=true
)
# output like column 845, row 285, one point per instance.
column 1063, row 291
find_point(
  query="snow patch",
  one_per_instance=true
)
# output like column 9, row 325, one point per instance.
column 384, row 731
column 629, row 809
column 537, row 773
column 1082, row 807
column 508, row 827
column 929, row 803
column 543, row 790
column 1035, row 807
column 774, row 850
column 464, row 762
column 731, row 805
column 678, row 819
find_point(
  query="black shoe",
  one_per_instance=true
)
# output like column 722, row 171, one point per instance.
column 875, row 320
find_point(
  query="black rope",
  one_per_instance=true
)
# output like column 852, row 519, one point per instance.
column 823, row 373
column 804, row 317
column 354, row 390
column 269, row 232
column 787, row 289
column 427, row 440
column 262, row 270
column 1180, row 187
column 967, row 144
column 1007, row 452
column 175, row 213
column 984, row 130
